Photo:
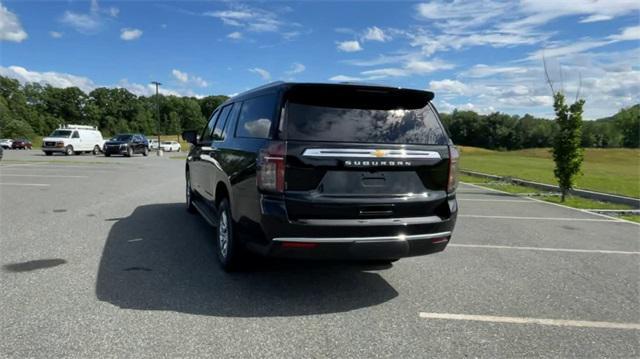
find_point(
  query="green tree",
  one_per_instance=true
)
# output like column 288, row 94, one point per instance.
column 17, row 129
column 567, row 150
column 628, row 121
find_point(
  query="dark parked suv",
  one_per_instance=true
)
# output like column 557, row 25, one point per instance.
column 338, row 171
column 126, row 144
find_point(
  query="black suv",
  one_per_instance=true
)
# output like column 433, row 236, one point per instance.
column 339, row 171
column 126, row 144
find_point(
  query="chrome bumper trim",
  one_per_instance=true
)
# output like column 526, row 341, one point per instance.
column 398, row 238
column 370, row 153
column 370, row 222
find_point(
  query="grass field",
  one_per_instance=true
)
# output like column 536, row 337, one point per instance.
column 570, row 201
column 614, row 170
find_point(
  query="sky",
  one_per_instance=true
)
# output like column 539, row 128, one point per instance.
column 482, row 55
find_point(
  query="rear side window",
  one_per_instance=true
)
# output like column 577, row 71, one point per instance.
column 208, row 131
column 222, row 121
column 256, row 117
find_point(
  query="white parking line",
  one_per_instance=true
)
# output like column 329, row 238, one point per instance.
column 30, row 175
column 525, row 320
column 490, row 246
column 537, row 218
column 614, row 219
column 493, row 200
column 45, row 166
column 24, row 184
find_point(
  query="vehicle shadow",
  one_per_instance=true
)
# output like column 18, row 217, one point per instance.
column 162, row 258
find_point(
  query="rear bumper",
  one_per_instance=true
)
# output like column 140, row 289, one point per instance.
column 53, row 149
column 391, row 238
column 115, row 151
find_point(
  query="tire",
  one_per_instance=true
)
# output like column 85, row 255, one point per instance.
column 107, row 154
column 48, row 153
column 129, row 152
column 189, row 196
column 69, row 150
column 228, row 248
column 145, row 152
column 96, row 150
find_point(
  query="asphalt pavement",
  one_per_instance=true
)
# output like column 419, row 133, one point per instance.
column 100, row 259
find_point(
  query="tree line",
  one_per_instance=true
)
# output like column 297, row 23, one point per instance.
column 35, row 110
column 500, row 131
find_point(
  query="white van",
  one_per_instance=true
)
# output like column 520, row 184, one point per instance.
column 73, row 139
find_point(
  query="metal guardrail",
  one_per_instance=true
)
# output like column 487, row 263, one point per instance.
column 599, row 196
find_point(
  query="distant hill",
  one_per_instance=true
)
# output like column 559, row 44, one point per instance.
column 633, row 109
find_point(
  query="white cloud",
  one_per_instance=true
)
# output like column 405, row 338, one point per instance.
column 595, row 18
column 447, row 85
column 466, row 23
column 113, row 11
column 349, row 46
column 261, row 72
column 628, row 34
column 344, row 78
column 597, row 10
column 55, row 79
column 55, row 34
column 83, row 23
column 607, row 81
column 376, row 34
column 296, row 68
column 254, row 19
column 180, row 76
column 431, row 44
column 236, row 35
column 128, row 34
column 10, row 27
column 64, row 80
column 461, row 14
column 411, row 67
column 91, row 22
column 482, row 70
column 150, row 89
column 187, row 79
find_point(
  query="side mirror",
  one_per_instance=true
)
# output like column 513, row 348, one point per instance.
column 190, row 136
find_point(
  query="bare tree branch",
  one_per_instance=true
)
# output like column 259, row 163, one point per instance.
column 561, row 78
column 579, row 87
column 546, row 74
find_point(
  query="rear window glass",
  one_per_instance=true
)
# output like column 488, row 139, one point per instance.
column 309, row 122
column 256, row 116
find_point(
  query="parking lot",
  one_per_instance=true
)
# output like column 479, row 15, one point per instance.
column 100, row 259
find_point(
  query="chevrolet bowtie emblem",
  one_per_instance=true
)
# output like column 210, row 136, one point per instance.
column 379, row 153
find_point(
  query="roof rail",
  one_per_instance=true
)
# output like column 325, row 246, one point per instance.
column 78, row 127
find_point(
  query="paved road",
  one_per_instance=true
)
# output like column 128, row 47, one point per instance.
column 100, row 259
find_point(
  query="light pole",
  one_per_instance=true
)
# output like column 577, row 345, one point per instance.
column 159, row 152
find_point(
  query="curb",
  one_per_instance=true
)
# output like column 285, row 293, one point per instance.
column 599, row 196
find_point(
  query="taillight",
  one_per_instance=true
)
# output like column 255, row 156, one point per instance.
column 454, row 155
column 270, row 174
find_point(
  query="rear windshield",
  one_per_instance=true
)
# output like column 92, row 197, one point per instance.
column 310, row 122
